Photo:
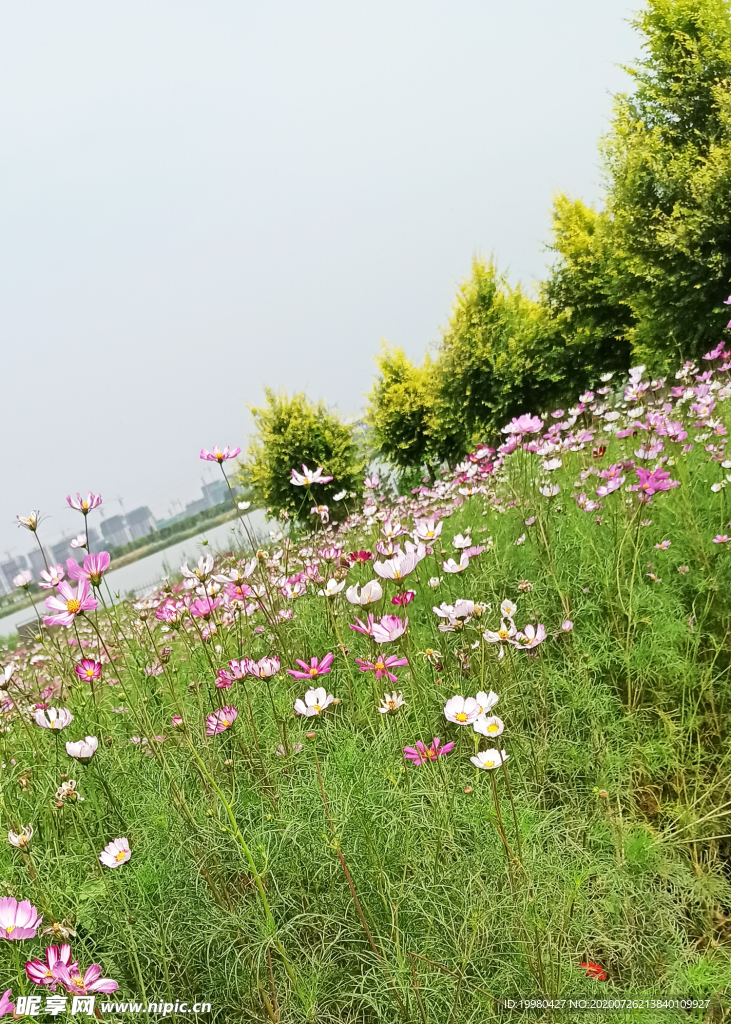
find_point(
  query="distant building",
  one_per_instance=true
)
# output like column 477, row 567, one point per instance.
column 215, row 493
column 140, row 522
column 9, row 569
column 114, row 531
column 35, row 562
column 194, row 507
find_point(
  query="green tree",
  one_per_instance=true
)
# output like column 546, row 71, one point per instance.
column 293, row 431
column 400, row 409
column 668, row 157
column 587, row 326
column 488, row 363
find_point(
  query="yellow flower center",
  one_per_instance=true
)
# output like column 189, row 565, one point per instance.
column 89, row 673
column 503, row 634
column 492, row 727
column 461, row 716
column 317, row 708
column 121, row 855
column 312, row 671
column 380, row 665
column 10, row 929
column 490, row 764
column 225, row 723
column 396, row 574
column 73, row 606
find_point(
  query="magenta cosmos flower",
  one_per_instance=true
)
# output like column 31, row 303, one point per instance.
column 314, row 669
column 309, row 476
column 388, row 628
column 67, row 605
column 219, row 455
column 18, row 920
column 40, row 972
column 84, row 505
column 88, row 669
column 221, row 720
column 115, row 854
column 652, row 482
column 382, row 666
column 91, row 981
column 92, row 570
column 421, row 754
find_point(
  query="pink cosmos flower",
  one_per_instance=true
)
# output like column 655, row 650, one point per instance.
column 53, row 718
column 40, row 972
column 176, row 721
column 84, row 505
column 83, row 750
column 396, row 568
column 52, row 577
column 652, row 482
column 203, row 607
column 663, row 545
column 370, row 483
column 6, row 1006
column 314, row 670
column 428, row 529
column 92, row 570
column 525, row 424
column 221, row 720
column 315, row 702
column 23, row 579
column 267, row 667
column 115, row 854
column 219, row 455
column 530, row 637
column 421, row 754
column 388, row 628
column 366, row 628
column 309, row 476
column 403, row 599
column 18, row 920
column 567, row 625
column 382, row 666
column 68, row 604
column 91, row 981
column 79, row 541
column 88, row 669
column 721, row 538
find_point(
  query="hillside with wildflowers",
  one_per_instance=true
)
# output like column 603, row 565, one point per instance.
column 469, row 744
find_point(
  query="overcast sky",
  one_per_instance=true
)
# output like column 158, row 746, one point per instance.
column 201, row 199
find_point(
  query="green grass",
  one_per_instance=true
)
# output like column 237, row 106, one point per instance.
column 619, row 768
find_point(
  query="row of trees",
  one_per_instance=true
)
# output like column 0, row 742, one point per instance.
column 642, row 279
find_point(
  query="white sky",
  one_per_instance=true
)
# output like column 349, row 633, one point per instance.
column 198, row 199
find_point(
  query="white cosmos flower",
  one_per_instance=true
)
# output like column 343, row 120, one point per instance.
column 340, row 495
column 391, row 702
column 21, row 839
column 489, row 759
column 243, row 505
column 550, row 464
column 549, row 490
column 332, row 588
column 316, row 700
column 451, row 566
column 369, row 593
column 489, row 727
column 461, row 710
column 434, row 582
column 486, row 701
column 508, row 609
column 460, row 542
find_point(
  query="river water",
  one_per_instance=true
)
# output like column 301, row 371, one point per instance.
column 148, row 573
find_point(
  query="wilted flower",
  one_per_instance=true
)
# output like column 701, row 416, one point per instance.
column 18, row 920
column 30, row 522
column 221, row 720
column 489, row 759
column 314, row 703
column 53, row 718
column 421, row 754
column 66, row 792
column 21, row 839
column 115, row 853
column 83, row 750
